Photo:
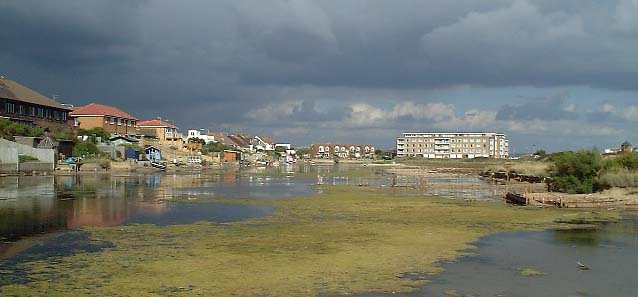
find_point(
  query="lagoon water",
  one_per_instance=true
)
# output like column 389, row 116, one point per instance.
column 38, row 205
column 496, row 266
column 40, row 217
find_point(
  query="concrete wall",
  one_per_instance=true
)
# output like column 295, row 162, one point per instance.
column 10, row 150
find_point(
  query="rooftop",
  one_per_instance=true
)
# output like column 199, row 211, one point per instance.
column 12, row 90
column 155, row 123
column 95, row 109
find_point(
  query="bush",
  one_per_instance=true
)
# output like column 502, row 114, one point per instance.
column 620, row 180
column 9, row 129
column 95, row 132
column 575, row 172
column 628, row 160
column 85, row 148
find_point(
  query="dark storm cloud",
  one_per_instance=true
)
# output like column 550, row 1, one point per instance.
column 550, row 108
column 67, row 34
column 210, row 63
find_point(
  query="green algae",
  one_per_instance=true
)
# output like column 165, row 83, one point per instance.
column 530, row 272
column 348, row 240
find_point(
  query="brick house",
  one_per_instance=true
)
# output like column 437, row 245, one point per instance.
column 163, row 131
column 25, row 106
column 111, row 119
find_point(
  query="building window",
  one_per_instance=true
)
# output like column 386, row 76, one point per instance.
column 31, row 111
column 9, row 107
column 40, row 112
column 119, row 122
column 112, row 121
column 76, row 122
column 47, row 114
column 64, row 116
column 56, row 115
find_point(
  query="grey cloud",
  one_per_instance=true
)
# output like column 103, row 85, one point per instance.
column 207, row 63
column 551, row 108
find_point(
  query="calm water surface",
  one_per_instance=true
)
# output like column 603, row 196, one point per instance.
column 38, row 205
column 611, row 253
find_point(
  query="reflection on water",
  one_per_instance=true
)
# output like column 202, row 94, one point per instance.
column 611, row 252
column 36, row 205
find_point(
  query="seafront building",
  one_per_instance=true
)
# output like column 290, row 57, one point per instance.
column 22, row 105
column 450, row 145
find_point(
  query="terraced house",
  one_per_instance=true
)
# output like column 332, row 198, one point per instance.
column 453, row 145
column 26, row 106
column 111, row 119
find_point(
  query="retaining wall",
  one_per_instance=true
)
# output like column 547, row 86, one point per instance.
column 10, row 151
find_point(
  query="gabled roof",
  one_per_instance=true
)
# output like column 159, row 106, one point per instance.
column 222, row 138
column 129, row 139
column 95, row 109
column 12, row 90
column 155, row 123
column 240, row 139
column 266, row 139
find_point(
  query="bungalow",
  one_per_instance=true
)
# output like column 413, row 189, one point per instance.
column 123, row 140
column 25, row 106
column 152, row 153
column 111, row 119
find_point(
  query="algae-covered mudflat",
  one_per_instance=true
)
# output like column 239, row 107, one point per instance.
column 341, row 241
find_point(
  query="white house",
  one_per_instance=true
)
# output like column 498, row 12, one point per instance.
column 262, row 143
column 201, row 134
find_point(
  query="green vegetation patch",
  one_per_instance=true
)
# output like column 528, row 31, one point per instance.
column 530, row 272
column 349, row 240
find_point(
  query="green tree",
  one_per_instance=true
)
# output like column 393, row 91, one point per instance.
column 214, row 147
column 575, row 172
column 85, row 148
column 196, row 140
column 9, row 129
column 93, row 133
column 541, row 153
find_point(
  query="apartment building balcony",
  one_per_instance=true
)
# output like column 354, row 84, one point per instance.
column 173, row 135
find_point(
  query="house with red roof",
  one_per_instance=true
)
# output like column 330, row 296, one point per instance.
column 159, row 129
column 111, row 119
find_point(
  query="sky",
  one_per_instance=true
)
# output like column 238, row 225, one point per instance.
column 553, row 75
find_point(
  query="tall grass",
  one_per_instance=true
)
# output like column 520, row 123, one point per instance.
column 535, row 168
column 619, row 179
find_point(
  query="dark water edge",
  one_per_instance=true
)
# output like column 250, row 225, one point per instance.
column 499, row 262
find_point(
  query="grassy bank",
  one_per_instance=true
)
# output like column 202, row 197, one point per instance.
column 345, row 241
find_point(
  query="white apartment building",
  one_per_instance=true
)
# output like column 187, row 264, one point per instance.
column 453, row 145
